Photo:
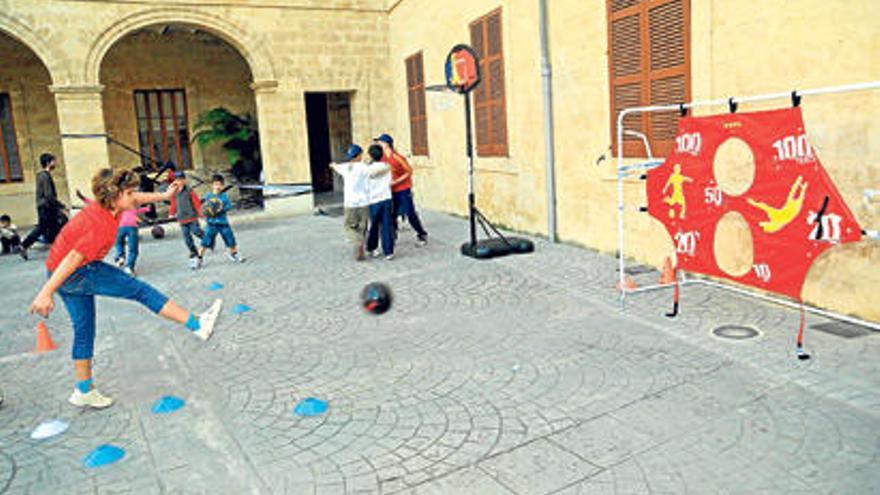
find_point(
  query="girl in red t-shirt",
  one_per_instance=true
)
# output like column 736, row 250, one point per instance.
column 77, row 274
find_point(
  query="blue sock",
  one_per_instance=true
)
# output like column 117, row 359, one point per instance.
column 84, row 386
column 193, row 322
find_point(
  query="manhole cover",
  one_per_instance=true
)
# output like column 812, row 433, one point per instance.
column 735, row 332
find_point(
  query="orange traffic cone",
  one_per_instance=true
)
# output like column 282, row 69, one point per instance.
column 44, row 340
column 628, row 283
column 667, row 276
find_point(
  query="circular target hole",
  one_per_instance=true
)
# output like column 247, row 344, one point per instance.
column 733, row 245
column 734, row 167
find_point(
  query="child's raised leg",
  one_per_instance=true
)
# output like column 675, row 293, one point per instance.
column 99, row 278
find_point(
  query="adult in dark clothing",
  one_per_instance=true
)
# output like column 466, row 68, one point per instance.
column 50, row 211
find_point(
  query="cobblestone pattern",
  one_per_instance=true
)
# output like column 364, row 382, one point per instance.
column 517, row 375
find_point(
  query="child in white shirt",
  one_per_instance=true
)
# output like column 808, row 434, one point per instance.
column 357, row 177
column 381, row 211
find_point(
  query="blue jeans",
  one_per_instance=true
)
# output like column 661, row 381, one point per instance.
column 127, row 236
column 100, row 279
column 381, row 218
column 403, row 205
column 211, row 232
column 188, row 230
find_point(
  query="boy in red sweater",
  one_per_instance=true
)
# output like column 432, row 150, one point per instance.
column 186, row 206
column 401, row 188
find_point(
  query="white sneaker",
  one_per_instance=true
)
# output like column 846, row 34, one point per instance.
column 120, row 262
column 389, row 257
column 129, row 271
column 375, row 253
column 92, row 399
column 235, row 258
column 208, row 319
column 195, row 263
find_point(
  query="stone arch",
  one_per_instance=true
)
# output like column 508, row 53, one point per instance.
column 52, row 60
column 251, row 48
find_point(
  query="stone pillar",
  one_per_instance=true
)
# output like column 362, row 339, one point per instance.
column 80, row 113
column 283, row 143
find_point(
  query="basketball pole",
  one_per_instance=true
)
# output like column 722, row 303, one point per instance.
column 469, row 143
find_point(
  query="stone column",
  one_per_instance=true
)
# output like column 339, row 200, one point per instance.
column 81, row 122
column 283, row 144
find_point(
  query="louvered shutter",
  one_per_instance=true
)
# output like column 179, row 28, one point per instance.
column 649, row 64
column 490, row 106
column 418, row 119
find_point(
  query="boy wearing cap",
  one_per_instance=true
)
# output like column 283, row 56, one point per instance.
column 401, row 188
column 356, row 176
column 185, row 205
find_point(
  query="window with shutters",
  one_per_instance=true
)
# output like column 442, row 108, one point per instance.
column 490, row 107
column 648, row 64
column 162, row 126
column 418, row 118
column 10, row 162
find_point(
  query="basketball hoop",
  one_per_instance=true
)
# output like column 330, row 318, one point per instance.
column 462, row 76
column 462, row 69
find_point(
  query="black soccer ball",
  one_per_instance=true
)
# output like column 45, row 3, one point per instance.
column 376, row 298
column 158, row 232
column 212, row 208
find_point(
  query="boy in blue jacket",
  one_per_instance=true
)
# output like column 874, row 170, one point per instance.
column 214, row 206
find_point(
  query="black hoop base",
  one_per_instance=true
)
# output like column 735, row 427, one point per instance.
column 493, row 248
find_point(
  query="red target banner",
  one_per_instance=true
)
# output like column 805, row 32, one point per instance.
column 792, row 208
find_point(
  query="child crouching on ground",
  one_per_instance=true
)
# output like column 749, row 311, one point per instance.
column 76, row 272
column 9, row 235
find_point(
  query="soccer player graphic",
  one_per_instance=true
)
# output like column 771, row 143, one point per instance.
column 676, row 181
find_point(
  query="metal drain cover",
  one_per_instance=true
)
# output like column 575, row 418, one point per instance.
column 843, row 329
column 735, row 332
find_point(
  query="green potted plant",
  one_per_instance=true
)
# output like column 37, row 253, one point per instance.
column 240, row 138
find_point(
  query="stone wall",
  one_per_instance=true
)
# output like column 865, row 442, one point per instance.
column 737, row 48
column 210, row 72
column 25, row 79
column 359, row 46
column 285, row 49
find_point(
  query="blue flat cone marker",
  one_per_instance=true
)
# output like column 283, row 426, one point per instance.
column 215, row 286
column 167, row 404
column 48, row 429
column 240, row 308
column 103, row 455
column 310, row 407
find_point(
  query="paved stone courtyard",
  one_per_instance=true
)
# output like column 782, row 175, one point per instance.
column 512, row 376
